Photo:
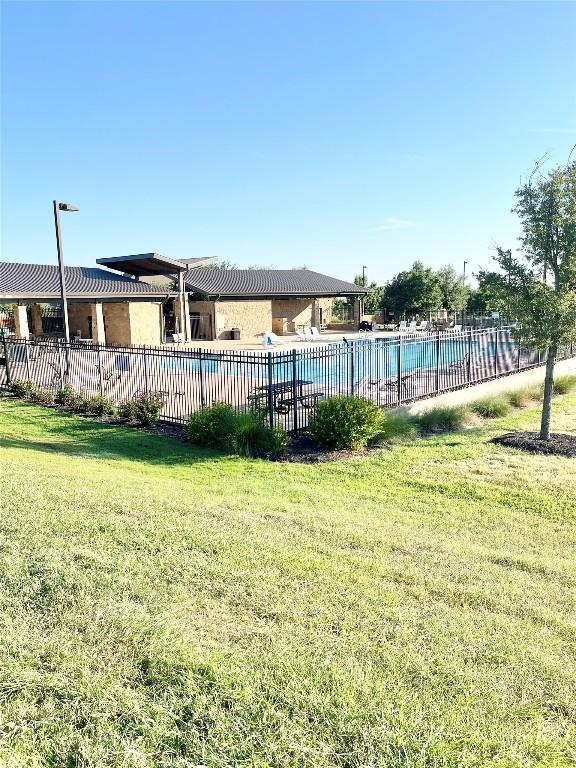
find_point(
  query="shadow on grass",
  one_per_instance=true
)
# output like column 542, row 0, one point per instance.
column 80, row 436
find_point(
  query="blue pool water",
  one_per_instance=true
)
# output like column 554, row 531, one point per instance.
column 332, row 364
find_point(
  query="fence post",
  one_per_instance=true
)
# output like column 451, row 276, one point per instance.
column 294, row 392
column 60, row 365
column 519, row 361
column 100, row 377
column 399, row 379
column 352, row 368
column 469, row 360
column 146, row 382
column 495, row 351
column 201, row 372
column 270, row 392
column 437, row 373
column 27, row 352
column 6, row 360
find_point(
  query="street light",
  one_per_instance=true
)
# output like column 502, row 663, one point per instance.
column 57, row 208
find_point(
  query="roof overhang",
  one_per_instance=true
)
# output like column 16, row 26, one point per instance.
column 37, row 298
column 143, row 264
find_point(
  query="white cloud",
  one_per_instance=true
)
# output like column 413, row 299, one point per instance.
column 394, row 223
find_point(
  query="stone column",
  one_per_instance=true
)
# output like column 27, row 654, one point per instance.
column 37, row 329
column 315, row 317
column 21, row 321
column 97, row 315
column 357, row 310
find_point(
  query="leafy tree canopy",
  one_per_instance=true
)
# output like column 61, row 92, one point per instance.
column 413, row 292
column 454, row 292
column 541, row 278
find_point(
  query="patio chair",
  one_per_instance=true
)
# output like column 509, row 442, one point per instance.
column 412, row 327
column 392, row 382
column 422, row 325
column 269, row 339
column 403, row 326
column 302, row 336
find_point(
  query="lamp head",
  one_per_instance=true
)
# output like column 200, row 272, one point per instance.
column 67, row 207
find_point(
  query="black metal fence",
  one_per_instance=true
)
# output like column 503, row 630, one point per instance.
column 287, row 384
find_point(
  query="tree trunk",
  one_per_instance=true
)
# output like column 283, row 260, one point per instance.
column 548, row 389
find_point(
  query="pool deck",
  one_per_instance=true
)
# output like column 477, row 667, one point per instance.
column 287, row 342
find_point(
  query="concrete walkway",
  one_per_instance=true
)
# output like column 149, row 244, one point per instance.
column 493, row 387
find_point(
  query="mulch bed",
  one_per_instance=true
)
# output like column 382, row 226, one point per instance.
column 558, row 445
column 303, row 450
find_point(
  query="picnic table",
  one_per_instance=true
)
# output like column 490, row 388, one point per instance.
column 283, row 395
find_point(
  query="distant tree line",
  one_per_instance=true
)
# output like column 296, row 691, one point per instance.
column 421, row 290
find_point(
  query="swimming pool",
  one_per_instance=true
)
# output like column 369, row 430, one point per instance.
column 339, row 362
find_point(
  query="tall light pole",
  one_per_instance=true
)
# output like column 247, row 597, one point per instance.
column 463, row 286
column 364, row 276
column 57, row 208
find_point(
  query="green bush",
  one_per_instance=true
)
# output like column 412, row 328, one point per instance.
column 520, row 398
column 23, row 389
column 100, row 406
column 42, row 397
column 212, row 427
column 145, row 409
column 346, row 422
column 564, row 384
column 246, row 434
column 448, row 418
column 78, row 403
column 127, row 410
column 492, row 407
column 65, row 395
column 398, row 427
column 252, row 437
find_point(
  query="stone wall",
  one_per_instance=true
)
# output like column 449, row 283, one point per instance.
column 205, row 328
column 78, row 315
column 145, row 322
column 252, row 317
column 299, row 312
column 296, row 312
column 117, row 322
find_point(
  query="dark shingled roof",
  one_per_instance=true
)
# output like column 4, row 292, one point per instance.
column 267, row 282
column 42, row 281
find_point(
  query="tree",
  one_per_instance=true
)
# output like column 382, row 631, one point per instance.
column 454, row 292
column 373, row 299
column 491, row 294
column 414, row 292
column 541, row 279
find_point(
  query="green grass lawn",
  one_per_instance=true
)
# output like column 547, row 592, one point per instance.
column 164, row 606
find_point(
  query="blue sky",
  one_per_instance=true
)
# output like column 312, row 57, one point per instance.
column 326, row 134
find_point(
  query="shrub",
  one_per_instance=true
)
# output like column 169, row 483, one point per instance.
column 42, row 397
column 212, row 427
column 65, row 395
column 448, row 418
column 246, row 434
column 78, row 403
column 23, row 389
column 100, row 406
column 145, row 409
column 491, row 407
column 127, row 410
column 564, row 384
column 397, row 427
column 520, row 398
column 346, row 422
column 252, row 437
